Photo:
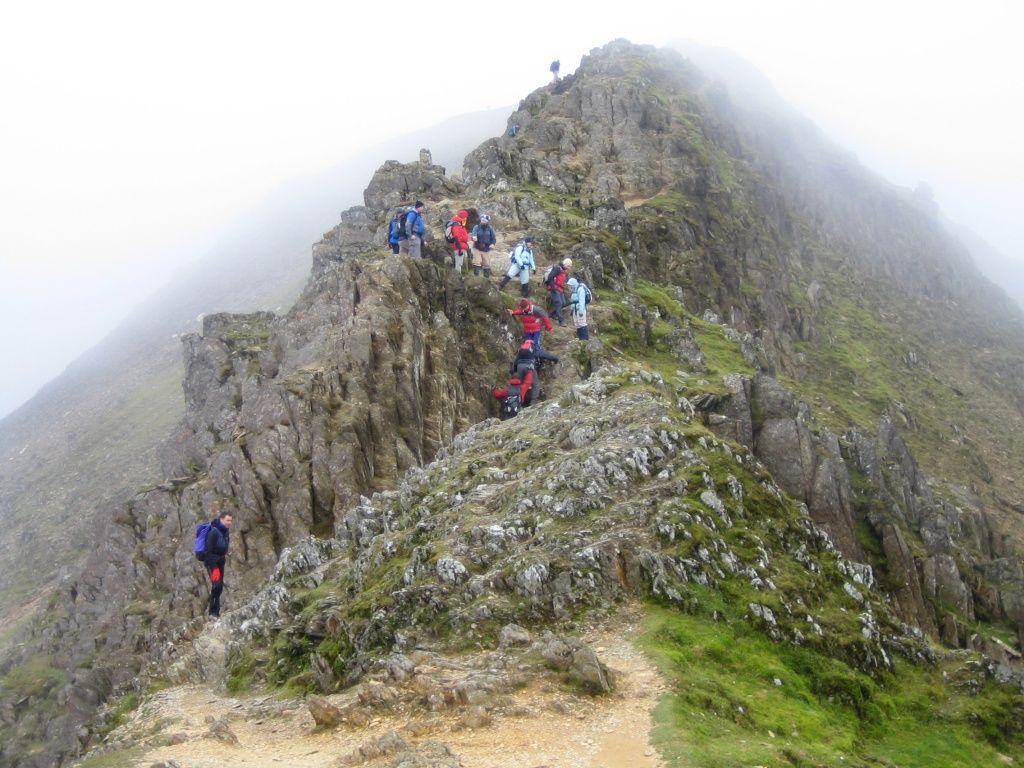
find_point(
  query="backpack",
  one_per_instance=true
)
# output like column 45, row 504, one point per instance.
column 449, row 236
column 588, row 296
column 551, row 274
column 511, row 405
column 512, row 254
column 397, row 228
column 202, row 531
column 407, row 225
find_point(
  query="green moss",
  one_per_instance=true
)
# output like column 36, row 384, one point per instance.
column 120, row 713
column 35, row 677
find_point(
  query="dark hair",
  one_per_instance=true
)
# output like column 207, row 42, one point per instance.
column 419, row 204
column 225, row 513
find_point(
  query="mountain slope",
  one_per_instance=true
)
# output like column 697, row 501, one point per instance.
column 91, row 437
column 758, row 439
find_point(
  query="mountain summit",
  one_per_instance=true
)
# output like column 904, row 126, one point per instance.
column 790, row 445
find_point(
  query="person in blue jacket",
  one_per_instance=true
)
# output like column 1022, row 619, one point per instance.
column 416, row 229
column 396, row 231
column 522, row 264
column 578, row 293
column 218, row 538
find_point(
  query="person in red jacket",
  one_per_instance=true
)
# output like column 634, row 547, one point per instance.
column 533, row 317
column 556, row 288
column 460, row 246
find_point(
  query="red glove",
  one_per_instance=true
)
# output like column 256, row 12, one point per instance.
column 215, row 574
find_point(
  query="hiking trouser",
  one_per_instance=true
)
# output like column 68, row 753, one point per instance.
column 480, row 259
column 395, row 247
column 579, row 320
column 459, row 258
column 415, row 246
column 557, row 304
column 533, row 336
column 216, row 573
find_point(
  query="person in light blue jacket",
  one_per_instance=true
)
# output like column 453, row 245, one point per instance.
column 522, row 264
column 579, row 295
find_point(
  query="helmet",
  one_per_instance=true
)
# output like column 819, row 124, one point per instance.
column 566, row 263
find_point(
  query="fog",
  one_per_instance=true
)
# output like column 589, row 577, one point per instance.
column 131, row 135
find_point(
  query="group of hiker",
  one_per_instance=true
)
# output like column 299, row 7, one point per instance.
column 406, row 233
column 408, row 228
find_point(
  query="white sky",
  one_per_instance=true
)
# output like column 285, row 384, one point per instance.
column 132, row 132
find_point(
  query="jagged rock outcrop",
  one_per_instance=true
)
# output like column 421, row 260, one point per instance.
column 727, row 273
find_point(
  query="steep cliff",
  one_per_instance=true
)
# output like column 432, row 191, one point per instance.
column 789, row 355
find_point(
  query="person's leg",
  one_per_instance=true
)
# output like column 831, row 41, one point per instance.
column 476, row 260
column 415, row 247
column 513, row 270
column 485, row 262
column 217, row 586
column 394, row 247
column 558, row 304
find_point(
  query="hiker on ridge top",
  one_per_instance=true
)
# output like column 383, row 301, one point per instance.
column 459, row 238
column 532, row 317
column 396, row 230
column 415, row 229
column 484, row 238
column 215, row 556
column 522, row 264
column 555, row 66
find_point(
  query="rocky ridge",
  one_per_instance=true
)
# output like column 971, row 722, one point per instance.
column 664, row 479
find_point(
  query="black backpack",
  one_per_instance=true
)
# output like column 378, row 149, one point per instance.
column 511, row 405
column 407, row 226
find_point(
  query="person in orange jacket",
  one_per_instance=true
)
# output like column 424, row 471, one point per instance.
column 533, row 317
column 459, row 239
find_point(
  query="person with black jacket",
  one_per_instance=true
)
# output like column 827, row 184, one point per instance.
column 526, row 367
column 218, row 538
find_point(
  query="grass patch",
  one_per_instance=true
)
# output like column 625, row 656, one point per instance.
column 740, row 700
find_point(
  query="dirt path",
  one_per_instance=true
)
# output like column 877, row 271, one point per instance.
column 544, row 725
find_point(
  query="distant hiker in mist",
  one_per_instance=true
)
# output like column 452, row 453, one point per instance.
column 555, row 66
column 415, row 230
column 484, row 238
column 216, row 539
column 521, row 263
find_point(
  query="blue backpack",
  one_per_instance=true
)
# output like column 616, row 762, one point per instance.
column 202, row 531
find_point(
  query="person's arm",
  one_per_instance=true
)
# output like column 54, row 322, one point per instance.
column 543, row 354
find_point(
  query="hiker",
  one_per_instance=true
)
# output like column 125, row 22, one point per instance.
column 521, row 262
column 527, row 365
column 396, row 230
column 484, row 238
column 555, row 281
column 579, row 297
column 523, row 387
column 513, row 130
column 456, row 235
column 215, row 554
column 415, row 229
column 532, row 316
column 555, row 66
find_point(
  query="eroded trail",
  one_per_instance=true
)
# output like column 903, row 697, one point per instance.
column 542, row 723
